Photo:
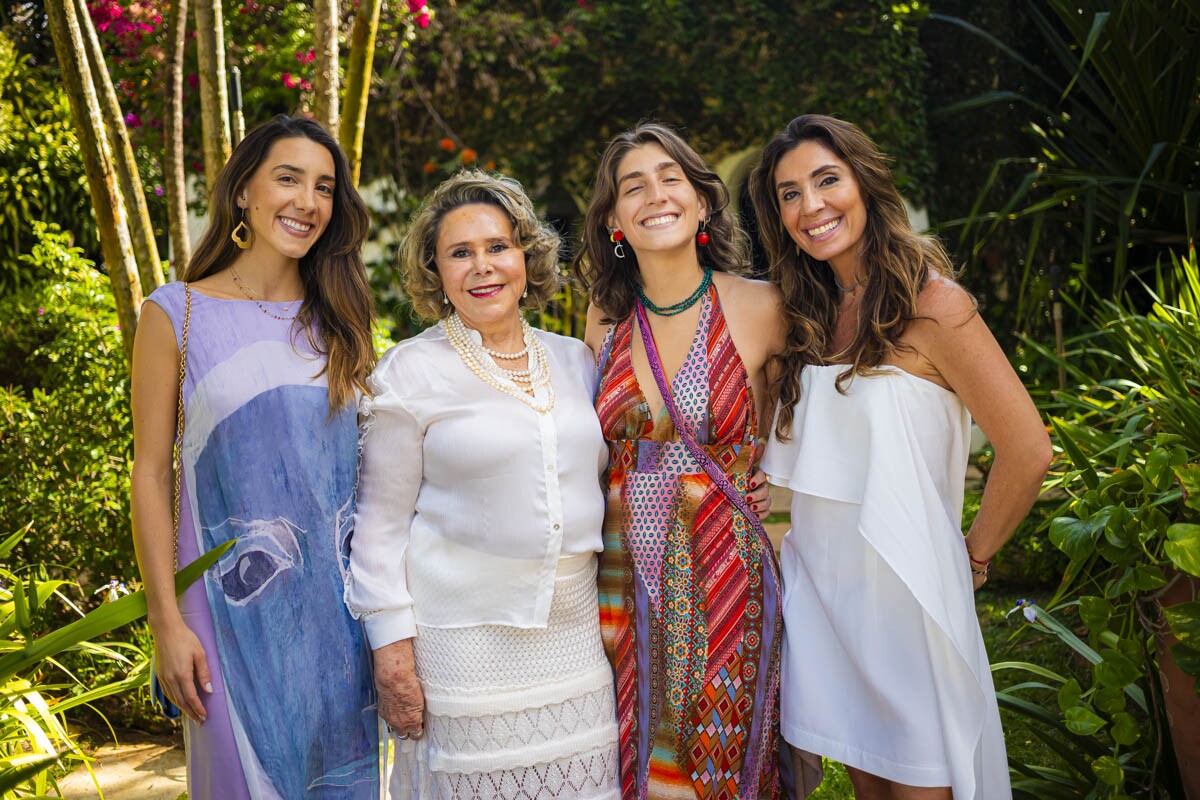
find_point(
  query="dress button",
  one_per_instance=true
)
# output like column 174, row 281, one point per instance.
column 557, row 526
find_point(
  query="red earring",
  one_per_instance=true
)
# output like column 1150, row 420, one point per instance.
column 702, row 238
column 616, row 237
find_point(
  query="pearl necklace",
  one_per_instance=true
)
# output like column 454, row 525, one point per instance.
column 522, row 384
column 249, row 295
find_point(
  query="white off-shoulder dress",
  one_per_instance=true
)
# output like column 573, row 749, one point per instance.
column 884, row 666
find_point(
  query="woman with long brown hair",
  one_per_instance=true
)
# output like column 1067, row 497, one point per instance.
column 255, row 361
column 887, row 360
column 689, row 585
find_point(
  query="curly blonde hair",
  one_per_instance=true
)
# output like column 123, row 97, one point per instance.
column 898, row 261
column 537, row 240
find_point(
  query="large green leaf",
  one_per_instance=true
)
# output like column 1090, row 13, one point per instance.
column 10, row 779
column 1183, row 547
column 1076, row 537
column 1189, row 479
column 1116, row 669
column 1083, row 721
column 1184, row 619
column 107, row 617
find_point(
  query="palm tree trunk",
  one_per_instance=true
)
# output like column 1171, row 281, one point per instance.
column 141, row 227
column 358, row 82
column 173, row 173
column 214, row 96
column 115, row 242
column 325, row 81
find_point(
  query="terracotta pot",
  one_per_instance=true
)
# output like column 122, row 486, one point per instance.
column 1179, row 692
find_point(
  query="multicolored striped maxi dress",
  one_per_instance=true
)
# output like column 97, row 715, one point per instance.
column 689, row 592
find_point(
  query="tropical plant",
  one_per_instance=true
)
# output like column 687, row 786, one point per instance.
column 1114, row 163
column 1130, row 527
column 36, row 692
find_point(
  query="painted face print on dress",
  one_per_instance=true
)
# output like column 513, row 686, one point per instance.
column 276, row 596
column 265, row 550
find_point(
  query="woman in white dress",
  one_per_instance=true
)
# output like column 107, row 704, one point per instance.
column 884, row 667
column 473, row 563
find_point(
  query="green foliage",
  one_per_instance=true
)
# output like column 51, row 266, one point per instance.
column 1130, row 526
column 541, row 88
column 37, row 692
column 65, row 429
column 41, row 170
column 1112, row 161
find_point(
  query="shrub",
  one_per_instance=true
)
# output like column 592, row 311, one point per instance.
column 65, row 427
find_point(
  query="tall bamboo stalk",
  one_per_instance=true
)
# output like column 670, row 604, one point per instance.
column 173, row 172
column 358, row 82
column 325, row 81
column 141, row 227
column 214, row 96
column 109, row 207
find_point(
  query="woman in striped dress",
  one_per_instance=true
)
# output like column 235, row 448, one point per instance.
column 689, row 584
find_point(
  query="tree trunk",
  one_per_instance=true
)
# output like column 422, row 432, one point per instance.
column 325, row 81
column 141, row 227
column 358, row 82
column 214, row 96
column 98, row 164
column 173, row 172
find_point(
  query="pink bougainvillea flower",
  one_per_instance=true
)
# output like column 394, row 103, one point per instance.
column 416, row 6
column 289, row 81
column 306, row 58
column 306, row 85
column 158, row 190
column 423, row 21
column 133, row 120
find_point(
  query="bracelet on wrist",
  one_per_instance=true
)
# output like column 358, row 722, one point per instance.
column 983, row 563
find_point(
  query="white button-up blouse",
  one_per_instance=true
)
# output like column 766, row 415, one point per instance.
column 467, row 497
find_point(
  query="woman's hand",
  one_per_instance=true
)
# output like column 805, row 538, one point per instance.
column 401, row 702
column 759, row 496
column 977, row 580
column 182, row 668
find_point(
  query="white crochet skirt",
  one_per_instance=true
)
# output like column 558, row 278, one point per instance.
column 516, row 712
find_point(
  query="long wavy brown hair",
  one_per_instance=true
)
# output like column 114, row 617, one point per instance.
column 897, row 263
column 612, row 282
column 338, row 309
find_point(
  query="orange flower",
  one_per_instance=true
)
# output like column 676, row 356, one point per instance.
column 429, row 167
column 469, row 155
column 490, row 165
column 447, row 144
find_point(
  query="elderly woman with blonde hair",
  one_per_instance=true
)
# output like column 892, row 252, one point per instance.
column 473, row 562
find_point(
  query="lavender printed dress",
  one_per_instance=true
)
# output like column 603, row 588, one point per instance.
column 293, row 710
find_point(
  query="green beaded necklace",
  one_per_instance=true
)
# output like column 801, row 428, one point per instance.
column 684, row 304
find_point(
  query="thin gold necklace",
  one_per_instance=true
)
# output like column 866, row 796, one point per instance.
column 237, row 279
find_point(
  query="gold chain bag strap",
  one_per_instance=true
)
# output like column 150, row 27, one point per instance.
column 177, row 450
column 159, row 697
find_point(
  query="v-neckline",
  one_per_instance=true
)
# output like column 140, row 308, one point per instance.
column 634, row 333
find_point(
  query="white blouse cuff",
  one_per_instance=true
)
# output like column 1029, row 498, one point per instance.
column 385, row 627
